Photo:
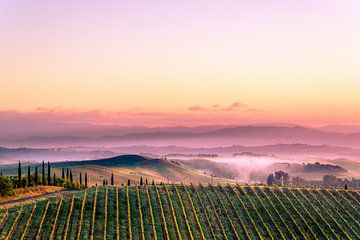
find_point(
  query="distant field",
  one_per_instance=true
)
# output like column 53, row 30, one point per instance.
column 187, row 212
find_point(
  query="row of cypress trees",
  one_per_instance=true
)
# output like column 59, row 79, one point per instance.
column 66, row 176
column 85, row 179
column 105, row 181
column 45, row 178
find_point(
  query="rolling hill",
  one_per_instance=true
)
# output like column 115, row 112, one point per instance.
column 133, row 167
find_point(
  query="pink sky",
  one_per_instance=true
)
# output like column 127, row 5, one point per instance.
column 181, row 63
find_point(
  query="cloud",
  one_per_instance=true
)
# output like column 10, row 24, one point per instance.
column 198, row 108
column 236, row 106
column 216, row 106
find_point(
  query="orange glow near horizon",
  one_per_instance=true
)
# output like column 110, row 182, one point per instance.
column 182, row 63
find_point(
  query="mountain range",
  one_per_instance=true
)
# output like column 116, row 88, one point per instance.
column 206, row 136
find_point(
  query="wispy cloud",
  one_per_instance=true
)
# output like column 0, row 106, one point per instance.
column 234, row 107
column 197, row 108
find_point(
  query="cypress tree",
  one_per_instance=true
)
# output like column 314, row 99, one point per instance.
column 43, row 174
column 270, row 180
column 63, row 173
column 106, row 182
column 49, row 174
column 112, row 179
column 128, row 182
column 1, row 173
column 103, row 181
column 86, row 180
column 67, row 173
column 28, row 178
column 141, row 181
column 36, row 176
column 54, row 180
column 80, row 179
column 71, row 176
column 153, row 183
column 19, row 175
column 146, row 181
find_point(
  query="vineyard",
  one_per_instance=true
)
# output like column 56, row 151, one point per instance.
column 187, row 212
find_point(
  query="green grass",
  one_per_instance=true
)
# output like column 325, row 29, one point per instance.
column 201, row 212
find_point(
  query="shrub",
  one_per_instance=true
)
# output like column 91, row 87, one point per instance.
column 6, row 187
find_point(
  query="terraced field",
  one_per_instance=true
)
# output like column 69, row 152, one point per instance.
column 187, row 212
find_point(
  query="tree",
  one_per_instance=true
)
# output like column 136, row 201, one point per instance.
column 71, row 177
column 298, row 181
column 152, row 182
column 43, row 173
column 112, row 179
column 49, row 174
column 128, row 183
column 329, row 180
column 63, row 173
column 54, row 180
column 28, row 177
column 104, row 182
column 141, row 181
column 146, row 181
column 86, row 179
column 36, row 176
column 6, row 187
column 270, row 180
column 67, row 173
column 19, row 175
column 80, row 179
column 346, row 187
column 281, row 177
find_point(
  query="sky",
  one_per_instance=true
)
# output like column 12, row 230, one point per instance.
column 158, row 63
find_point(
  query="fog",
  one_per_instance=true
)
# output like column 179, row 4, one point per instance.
column 250, row 169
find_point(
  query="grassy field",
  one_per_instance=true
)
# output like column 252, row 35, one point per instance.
column 187, row 212
column 29, row 192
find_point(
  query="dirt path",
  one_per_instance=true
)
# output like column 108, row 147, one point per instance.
column 26, row 199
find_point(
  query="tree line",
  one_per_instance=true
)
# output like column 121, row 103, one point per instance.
column 281, row 178
column 141, row 182
column 45, row 177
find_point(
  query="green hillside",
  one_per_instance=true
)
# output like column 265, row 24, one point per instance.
column 123, row 167
column 187, row 212
column 133, row 167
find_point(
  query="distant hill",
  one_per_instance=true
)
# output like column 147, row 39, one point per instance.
column 346, row 129
column 205, row 137
column 11, row 155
